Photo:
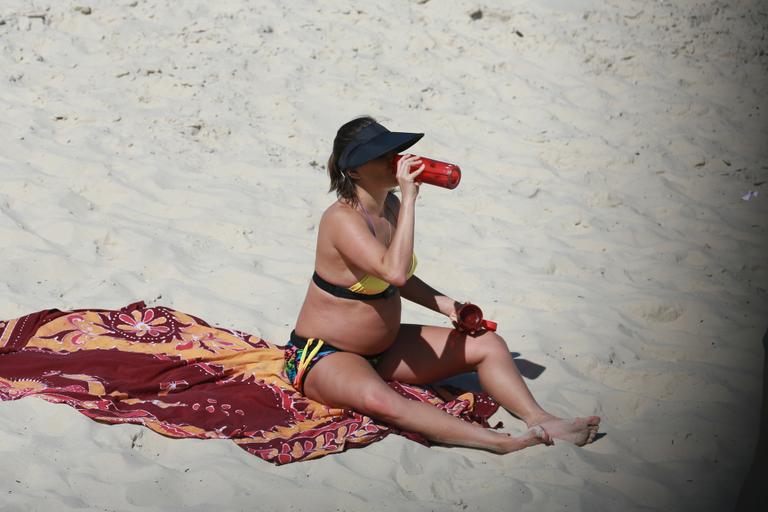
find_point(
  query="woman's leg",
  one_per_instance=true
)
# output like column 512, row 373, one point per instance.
column 346, row 380
column 425, row 354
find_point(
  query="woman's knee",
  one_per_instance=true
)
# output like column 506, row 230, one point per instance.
column 490, row 344
column 380, row 402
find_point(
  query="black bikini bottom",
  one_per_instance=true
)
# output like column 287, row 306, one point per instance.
column 298, row 365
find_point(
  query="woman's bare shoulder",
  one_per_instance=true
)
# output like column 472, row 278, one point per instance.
column 340, row 216
column 336, row 212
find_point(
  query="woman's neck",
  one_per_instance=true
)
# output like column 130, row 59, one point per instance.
column 372, row 201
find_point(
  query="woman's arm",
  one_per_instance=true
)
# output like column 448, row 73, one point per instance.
column 353, row 240
column 419, row 292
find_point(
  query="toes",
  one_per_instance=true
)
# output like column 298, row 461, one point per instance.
column 541, row 434
column 547, row 438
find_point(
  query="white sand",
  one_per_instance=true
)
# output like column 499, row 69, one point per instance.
column 175, row 151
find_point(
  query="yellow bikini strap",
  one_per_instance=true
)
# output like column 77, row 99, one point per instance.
column 305, row 360
column 414, row 262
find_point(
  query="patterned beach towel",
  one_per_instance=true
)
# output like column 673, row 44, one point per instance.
column 179, row 376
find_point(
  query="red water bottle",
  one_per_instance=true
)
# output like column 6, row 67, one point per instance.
column 437, row 173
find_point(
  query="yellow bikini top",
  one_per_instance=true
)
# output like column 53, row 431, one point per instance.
column 371, row 285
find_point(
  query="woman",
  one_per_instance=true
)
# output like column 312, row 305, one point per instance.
column 348, row 339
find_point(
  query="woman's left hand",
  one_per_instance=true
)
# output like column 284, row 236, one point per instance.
column 453, row 312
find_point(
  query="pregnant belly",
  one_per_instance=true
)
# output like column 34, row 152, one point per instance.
column 362, row 327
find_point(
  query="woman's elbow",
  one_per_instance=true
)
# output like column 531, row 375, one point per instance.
column 398, row 279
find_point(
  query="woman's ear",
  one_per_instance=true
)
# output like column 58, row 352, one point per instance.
column 352, row 173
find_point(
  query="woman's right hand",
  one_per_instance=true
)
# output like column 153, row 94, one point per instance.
column 409, row 188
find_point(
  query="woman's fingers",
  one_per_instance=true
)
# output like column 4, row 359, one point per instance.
column 406, row 163
column 418, row 171
column 406, row 176
column 408, row 170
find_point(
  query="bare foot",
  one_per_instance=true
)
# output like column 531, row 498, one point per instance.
column 533, row 436
column 578, row 431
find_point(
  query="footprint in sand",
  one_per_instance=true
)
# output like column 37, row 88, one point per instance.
column 410, row 464
column 660, row 313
